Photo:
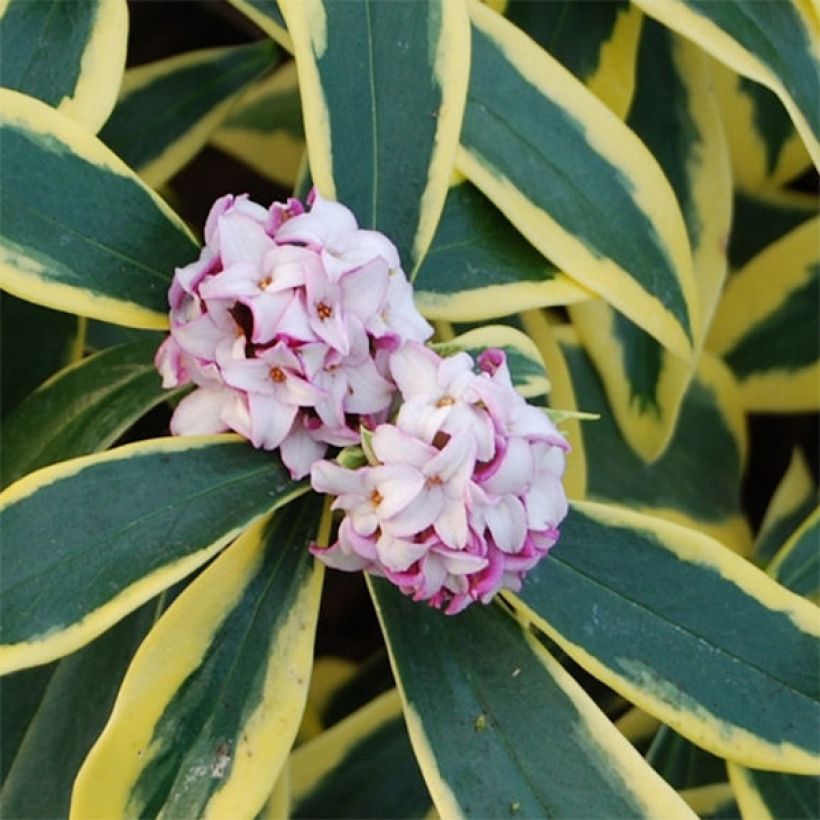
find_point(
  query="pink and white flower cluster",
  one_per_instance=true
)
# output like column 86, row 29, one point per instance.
column 285, row 325
column 463, row 493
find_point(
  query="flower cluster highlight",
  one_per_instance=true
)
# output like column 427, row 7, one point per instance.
column 285, row 324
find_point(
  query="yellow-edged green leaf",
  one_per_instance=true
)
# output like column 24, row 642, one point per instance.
column 277, row 805
column 681, row 763
column 266, row 15
column 713, row 802
column 686, row 630
column 362, row 767
column 212, row 701
column 766, row 150
column 87, row 541
column 675, row 113
column 562, row 397
column 710, row 439
column 797, row 564
column 69, row 55
column 637, row 726
column 100, row 335
column 479, row 267
column 382, row 130
column 596, row 40
column 498, row 717
column 762, row 218
column 184, row 98
column 329, row 673
column 768, row 795
column 78, row 230
column 264, row 130
column 524, row 360
column 72, row 713
column 80, row 410
column 26, row 362
column 790, row 505
column 766, row 325
column 577, row 183
column 769, row 41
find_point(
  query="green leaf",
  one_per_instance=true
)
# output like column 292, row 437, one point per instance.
column 212, row 701
column 382, row 129
column 26, row 364
column 797, row 564
column 265, row 130
column 81, row 410
column 63, row 243
column 100, row 335
column 713, row 802
column 793, row 499
column 87, row 541
column 682, row 764
column 710, row 439
column 577, row 183
column 266, row 15
column 765, row 149
column 765, row 327
column 771, row 42
column 479, row 267
column 72, row 713
column 69, row 55
column 498, row 714
column 185, row 98
column 765, row 795
column 362, row 767
column 675, row 114
column 686, row 630
column 597, row 41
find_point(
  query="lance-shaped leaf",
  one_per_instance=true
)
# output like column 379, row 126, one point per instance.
column 562, row 397
column 681, row 763
column 687, row 630
column 526, row 366
column 500, row 728
column 710, row 439
column 637, row 727
column 765, row 328
column 577, row 183
column 73, row 711
column 78, row 230
column 766, row 150
column 713, row 802
column 771, row 42
column 762, row 218
column 265, row 130
column 81, row 410
column 479, row 267
column 797, row 564
column 185, row 98
column 277, row 805
column 597, row 41
column 36, row 343
column 87, row 541
column 210, row 705
column 69, row 55
column 266, row 15
column 675, row 113
column 329, row 673
column 790, row 505
column 382, row 128
column 767, row 795
column 362, row 767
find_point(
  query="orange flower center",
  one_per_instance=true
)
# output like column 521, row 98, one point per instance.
column 277, row 374
column 445, row 401
column 324, row 310
column 376, row 498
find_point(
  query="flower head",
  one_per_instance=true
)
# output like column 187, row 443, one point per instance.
column 464, row 494
column 282, row 323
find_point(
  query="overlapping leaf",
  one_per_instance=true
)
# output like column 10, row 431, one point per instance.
column 211, row 703
column 675, row 113
column 767, row 795
column 87, row 541
column 382, row 128
column 765, row 328
column 686, row 630
column 184, row 98
column 797, row 563
column 63, row 243
column 577, row 183
column 266, row 15
column 498, row 712
column 768, row 41
column 69, row 55
column 265, row 129
column 81, row 410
